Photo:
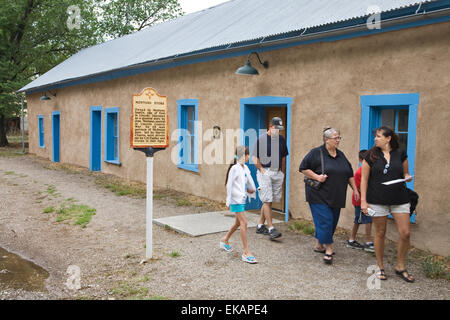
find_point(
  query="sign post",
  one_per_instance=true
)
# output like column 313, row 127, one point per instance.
column 149, row 134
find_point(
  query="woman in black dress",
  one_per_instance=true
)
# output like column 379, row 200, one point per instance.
column 386, row 162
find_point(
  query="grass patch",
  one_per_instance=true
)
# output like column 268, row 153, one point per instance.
column 120, row 187
column 49, row 210
column 174, row 254
column 9, row 173
column 126, row 290
column 80, row 214
column 14, row 149
column 302, row 226
column 436, row 267
column 51, row 189
column 183, row 202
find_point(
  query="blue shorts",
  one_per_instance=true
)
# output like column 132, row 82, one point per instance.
column 361, row 218
column 237, row 207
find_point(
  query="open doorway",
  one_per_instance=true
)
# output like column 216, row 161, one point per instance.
column 256, row 113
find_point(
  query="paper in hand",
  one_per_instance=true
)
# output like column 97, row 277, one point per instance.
column 394, row 182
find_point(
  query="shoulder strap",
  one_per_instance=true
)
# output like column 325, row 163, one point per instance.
column 321, row 160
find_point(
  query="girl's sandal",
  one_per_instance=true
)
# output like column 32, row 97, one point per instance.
column 381, row 275
column 401, row 274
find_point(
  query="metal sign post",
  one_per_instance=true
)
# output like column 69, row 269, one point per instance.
column 149, row 152
column 149, row 134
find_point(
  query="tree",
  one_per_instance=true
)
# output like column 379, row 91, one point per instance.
column 36, row 35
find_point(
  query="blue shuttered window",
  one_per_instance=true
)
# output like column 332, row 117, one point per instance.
column 41, row 131
column 112, row 135
column 187, row 134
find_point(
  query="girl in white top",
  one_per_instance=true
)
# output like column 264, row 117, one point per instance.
column 239, row 184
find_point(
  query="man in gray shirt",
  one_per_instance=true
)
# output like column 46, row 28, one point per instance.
column 269, row 156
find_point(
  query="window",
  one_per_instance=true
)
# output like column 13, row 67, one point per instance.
column 41, row 131
column 398, row 111
column 187, row 134
column 112, row 135
column 397, row 119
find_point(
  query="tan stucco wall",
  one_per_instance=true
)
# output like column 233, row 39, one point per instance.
column 325, row 81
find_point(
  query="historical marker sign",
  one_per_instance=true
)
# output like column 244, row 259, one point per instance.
column 149, row 120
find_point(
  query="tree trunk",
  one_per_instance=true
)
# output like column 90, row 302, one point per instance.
column 3, row 128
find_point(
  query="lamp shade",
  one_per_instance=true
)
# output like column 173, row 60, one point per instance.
column 247, row 70
column 45, row 97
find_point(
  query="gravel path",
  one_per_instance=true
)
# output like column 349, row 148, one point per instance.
column 109, row 250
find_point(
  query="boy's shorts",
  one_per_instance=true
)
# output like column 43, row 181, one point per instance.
column 361, row 218
column 270, row 185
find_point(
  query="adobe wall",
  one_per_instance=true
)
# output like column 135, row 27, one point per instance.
column 325, row 80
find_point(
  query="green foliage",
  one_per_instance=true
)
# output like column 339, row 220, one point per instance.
column 82, row 214
column 49, row 210
column 37, row 35
column 435, row 268
column 304, row 226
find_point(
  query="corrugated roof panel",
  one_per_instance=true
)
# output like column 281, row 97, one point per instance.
column 229, row 23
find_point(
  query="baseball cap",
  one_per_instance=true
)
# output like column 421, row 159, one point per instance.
column 277, row 123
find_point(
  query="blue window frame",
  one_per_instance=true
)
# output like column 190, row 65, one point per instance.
column 96, row 139
column 41, row 131
column 398, row 111
column 187, row 111
column 112, row 135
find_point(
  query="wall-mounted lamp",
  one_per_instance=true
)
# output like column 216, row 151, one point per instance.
column 248, row 69
column 45, row 97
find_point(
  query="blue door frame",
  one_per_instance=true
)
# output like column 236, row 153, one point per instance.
column 96, row 139
column 56, row 135
column 252, row 113
column 370, row 119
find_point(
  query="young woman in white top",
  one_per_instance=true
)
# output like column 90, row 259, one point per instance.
column 239, row 184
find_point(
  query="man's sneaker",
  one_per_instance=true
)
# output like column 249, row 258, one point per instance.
column 354, row 244
column 369, row 247
column 274, row 233
column 262, row 230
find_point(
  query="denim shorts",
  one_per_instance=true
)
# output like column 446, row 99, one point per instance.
column 361, row 218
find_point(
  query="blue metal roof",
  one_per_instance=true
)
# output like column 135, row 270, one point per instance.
column 225, row 25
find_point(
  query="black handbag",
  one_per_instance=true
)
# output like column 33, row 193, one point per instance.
column 413, row 200
column 314, row 183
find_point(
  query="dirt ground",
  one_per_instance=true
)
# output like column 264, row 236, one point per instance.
column 109, row 250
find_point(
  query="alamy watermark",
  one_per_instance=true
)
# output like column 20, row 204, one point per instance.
column 74, row 17
column 74, row 280
column 207, row 147
column 374, row 20
column 373, row 282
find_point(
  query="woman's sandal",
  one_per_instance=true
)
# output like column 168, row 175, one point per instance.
column 401, row 274
column 380, row 274
column 321, row 251
column 328, row 261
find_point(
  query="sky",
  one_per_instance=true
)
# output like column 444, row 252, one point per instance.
column 197, row 5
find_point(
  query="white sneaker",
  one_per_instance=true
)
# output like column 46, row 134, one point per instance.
column 225, row 247
column 250, row 259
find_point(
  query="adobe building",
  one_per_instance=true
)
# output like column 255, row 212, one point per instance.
column 337, row 63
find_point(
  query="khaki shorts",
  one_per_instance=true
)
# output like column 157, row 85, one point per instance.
column 385, row 210
column 270, row 185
